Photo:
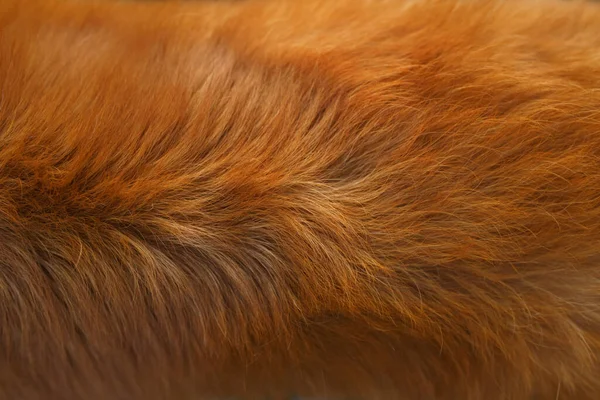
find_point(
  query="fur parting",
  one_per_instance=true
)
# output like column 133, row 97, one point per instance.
column 385, row 200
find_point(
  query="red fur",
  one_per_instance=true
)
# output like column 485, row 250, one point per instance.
column 373, row 199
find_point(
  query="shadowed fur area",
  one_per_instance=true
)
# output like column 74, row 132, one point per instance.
column 353, row 199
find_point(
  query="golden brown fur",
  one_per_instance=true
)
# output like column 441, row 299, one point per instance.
column 364, row 199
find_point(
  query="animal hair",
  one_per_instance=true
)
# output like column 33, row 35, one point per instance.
column 383, row 200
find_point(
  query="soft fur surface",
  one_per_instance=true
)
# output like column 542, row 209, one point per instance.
column 350, row 199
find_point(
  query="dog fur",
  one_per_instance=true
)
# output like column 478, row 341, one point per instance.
column 350, row 199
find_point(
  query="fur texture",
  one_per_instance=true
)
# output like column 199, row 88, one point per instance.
column 351, row 199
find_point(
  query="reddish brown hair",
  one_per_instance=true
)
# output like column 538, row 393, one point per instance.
column 376, row 199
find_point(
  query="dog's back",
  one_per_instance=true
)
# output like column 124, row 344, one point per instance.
column 376, row 199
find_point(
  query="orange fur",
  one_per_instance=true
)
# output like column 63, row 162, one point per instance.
column 372, row 199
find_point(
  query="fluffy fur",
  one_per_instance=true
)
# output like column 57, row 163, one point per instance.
column 351, row 199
